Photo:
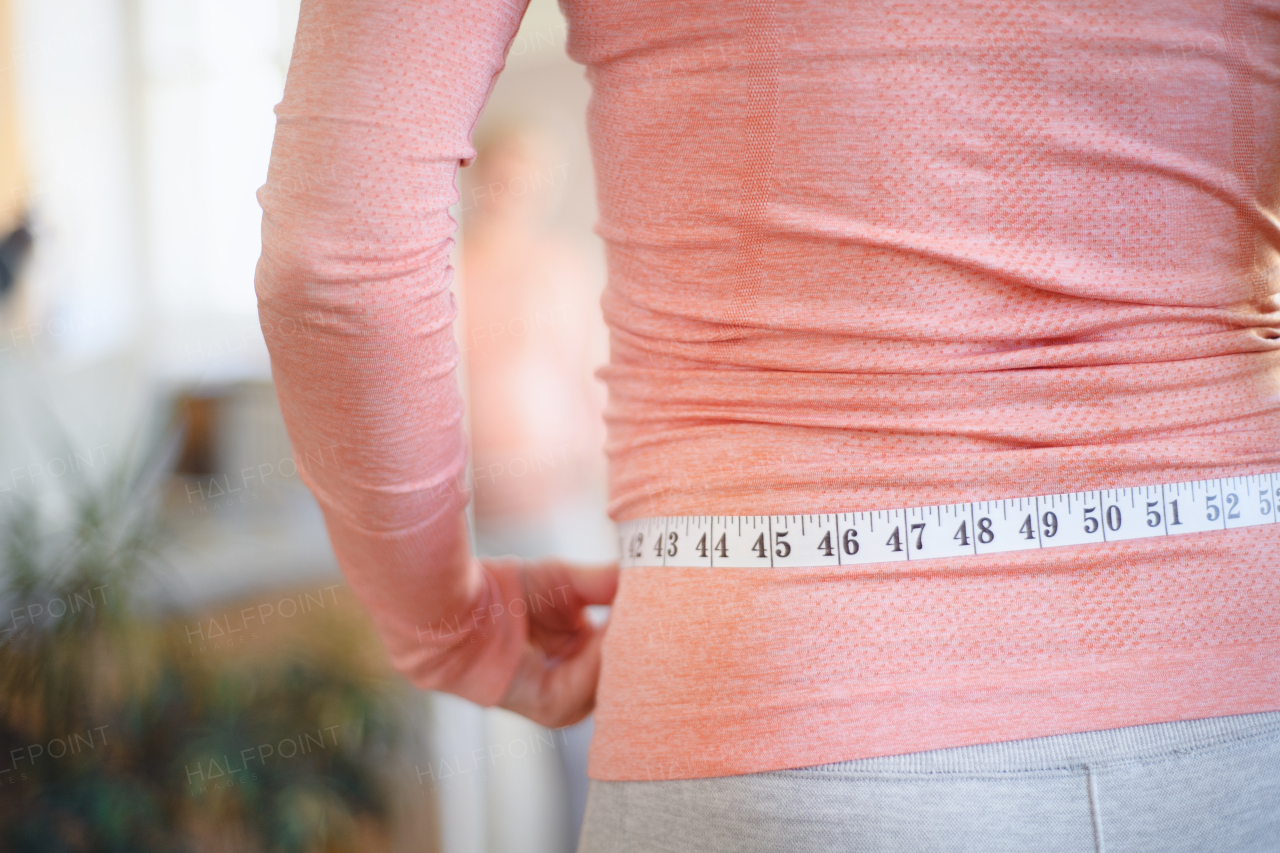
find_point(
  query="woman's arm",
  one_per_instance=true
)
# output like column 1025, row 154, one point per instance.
column 354, row 301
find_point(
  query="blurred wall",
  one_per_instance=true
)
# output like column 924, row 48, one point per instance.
column 13, row 182
column 210, row 73
column 84, row 296
column 147, row 127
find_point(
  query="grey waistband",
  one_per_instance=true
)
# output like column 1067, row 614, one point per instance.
column 1071, row 750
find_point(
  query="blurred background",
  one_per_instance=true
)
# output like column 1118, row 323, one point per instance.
column 181, row 665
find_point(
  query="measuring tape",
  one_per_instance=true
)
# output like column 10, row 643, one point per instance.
column 949, row 530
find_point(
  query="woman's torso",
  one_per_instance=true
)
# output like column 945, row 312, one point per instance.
column 871, row 255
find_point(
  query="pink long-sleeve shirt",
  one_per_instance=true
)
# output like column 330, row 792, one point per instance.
column 861, row 256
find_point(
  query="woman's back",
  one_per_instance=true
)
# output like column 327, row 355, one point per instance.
column 861, row 256
column 876, row 255
column 931, row 219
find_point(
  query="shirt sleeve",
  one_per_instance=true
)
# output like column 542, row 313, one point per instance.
column 354, row 301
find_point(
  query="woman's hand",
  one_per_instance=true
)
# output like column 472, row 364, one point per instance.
column 555, row 683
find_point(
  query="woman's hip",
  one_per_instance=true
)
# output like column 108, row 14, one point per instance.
column 1193, row 785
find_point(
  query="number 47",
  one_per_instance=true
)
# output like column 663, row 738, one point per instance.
column 895, row 540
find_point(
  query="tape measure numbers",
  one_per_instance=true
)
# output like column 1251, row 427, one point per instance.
column 949, row 530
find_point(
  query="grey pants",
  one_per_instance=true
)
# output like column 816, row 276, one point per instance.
column 1184, row 787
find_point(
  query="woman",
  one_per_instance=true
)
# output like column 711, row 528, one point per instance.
column 862, row 257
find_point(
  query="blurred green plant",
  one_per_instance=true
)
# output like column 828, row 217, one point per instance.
column 114, row 736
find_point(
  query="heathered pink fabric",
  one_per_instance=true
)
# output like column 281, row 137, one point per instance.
column 861, row 256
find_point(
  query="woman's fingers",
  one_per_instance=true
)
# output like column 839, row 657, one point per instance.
column 573, row 586
column 557, row 593
column 555, row 682
column 595, row 584
column 556, row 693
